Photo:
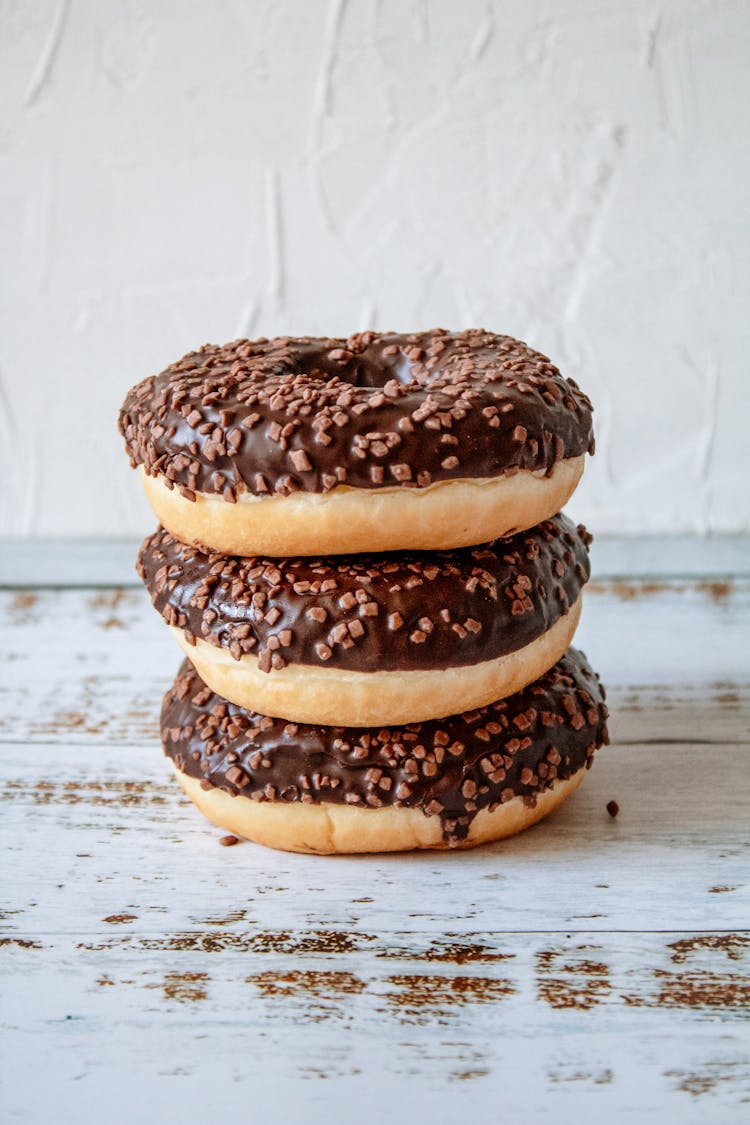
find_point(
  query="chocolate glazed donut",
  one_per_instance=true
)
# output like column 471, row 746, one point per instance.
column 378, row 442
column 369, row 639
column 453, row 782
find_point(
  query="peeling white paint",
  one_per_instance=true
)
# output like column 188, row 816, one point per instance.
column 571, row 173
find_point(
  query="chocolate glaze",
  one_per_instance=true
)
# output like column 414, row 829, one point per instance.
column 372, row 411
column 450, row 767
column 365, row 613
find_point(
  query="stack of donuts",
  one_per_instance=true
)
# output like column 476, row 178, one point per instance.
column 363, row 559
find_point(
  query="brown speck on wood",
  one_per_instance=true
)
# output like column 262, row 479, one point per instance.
column 272, row 941
column 320, row 984
column 717, row 591
column 95, row 792
column 454, row 953
column 112, row 623
column 185, row 988
column 733, row 945
column 430, row 998
column 698, row 990
column 228, row 841
column 107, row 599
column 598, row 1078
column 630, row 590
column 21, row 606
column 702, row 1082
column 613, row 808
column 566, row 979
column 226, row 920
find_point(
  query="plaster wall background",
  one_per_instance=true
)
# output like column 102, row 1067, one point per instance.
column 572, row 172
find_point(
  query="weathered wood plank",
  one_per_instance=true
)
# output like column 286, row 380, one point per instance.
column 675, row 656
column 591, row 968
column 141, row 954
column 91, row 666
column 610, row 1026
column 118, row 838
column 75, row 562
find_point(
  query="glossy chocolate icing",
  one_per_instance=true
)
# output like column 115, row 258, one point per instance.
column 372, row 411
column 449, row 768
column 369, row 613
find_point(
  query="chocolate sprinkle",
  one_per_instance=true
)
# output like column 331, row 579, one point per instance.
column 391, row 612
column 449, row 768
column 374, row 411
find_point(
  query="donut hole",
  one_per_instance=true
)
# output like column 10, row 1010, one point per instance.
column 370, row 368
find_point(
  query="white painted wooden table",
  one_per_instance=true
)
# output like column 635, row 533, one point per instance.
column 592, row 969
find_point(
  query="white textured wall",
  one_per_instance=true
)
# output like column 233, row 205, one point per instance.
column 568, row 171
